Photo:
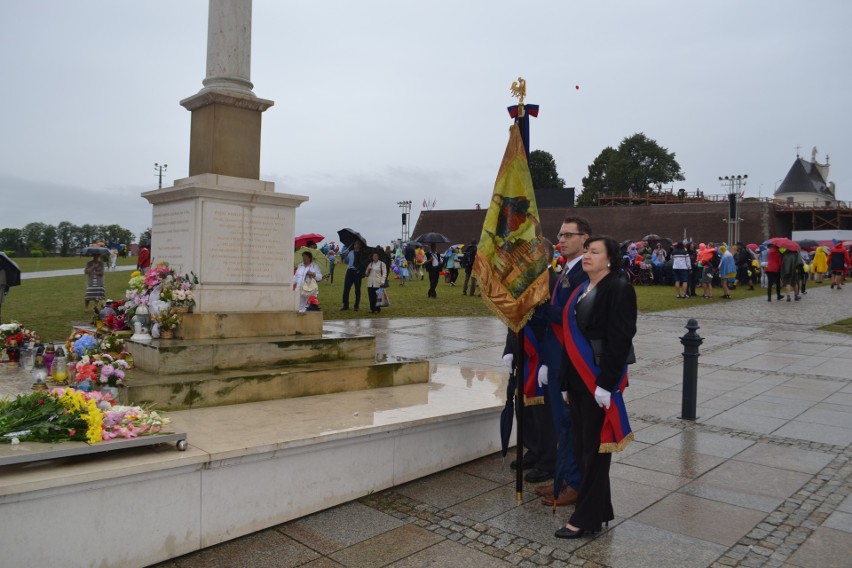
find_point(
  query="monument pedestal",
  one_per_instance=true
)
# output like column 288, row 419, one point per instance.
column 235, row 234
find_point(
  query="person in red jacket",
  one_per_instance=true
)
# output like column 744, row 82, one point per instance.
column 143, row 262
column 773, row 272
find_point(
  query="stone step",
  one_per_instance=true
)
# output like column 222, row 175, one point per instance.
column 184, row 356
column 196, row 390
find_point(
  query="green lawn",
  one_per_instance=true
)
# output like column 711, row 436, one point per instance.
column 842, row 326
column 49, row 305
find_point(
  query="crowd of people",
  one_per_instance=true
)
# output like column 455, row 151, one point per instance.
column 689, row 266
column 399, row 262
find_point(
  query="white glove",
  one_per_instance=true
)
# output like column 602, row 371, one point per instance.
column 564, row 396
column 602, row 397
column 507, row 359
column 542, row 376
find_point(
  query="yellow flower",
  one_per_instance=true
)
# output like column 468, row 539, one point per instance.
column 135, row 273
column 94, row 423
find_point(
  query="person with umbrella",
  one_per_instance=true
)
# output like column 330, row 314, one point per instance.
column 790, row 262
column 94, row 271
column 433, row 267
column 356, row 260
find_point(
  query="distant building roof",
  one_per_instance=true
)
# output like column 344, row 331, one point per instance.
column 804, row 177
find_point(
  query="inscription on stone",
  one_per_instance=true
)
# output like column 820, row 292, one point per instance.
column 242, row 244
column 171, row 226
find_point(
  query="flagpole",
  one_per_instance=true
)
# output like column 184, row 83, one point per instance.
column 519, row 409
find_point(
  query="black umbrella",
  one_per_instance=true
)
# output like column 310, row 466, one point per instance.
column 507, row 416
column 11, row 270
column 348, row 237
column 10, row 275
column 652, row 237
column 807, row 243
column 432, row 238
column 92, row 251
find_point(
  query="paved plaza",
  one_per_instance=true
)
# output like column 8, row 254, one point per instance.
column 762, row 477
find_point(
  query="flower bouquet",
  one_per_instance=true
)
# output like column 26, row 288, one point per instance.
column 69, row 414
column 168, row 321
column 15, row 331
column 160, row 283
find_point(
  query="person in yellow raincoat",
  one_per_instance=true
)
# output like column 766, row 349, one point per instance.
column 819, row 264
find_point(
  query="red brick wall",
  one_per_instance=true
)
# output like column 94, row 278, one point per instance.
column 702, row 221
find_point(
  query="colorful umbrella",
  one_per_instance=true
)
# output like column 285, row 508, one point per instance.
column 752, row 246
column 93, row 250
column 302, row 240
column 319, row 258
column 785, row 243
column 432, row 238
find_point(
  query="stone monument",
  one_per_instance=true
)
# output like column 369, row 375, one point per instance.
column 245, row 340
column 233, row 230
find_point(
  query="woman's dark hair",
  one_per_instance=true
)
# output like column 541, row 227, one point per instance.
column 308, row 254
column 612, row 249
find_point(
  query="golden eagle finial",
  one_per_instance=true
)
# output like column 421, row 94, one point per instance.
column 519, row 91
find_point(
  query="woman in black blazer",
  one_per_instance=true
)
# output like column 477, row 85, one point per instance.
column 600, row 325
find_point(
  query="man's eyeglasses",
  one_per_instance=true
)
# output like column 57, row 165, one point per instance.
column 567, row 234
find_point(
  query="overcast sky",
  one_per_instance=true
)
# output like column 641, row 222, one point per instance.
column 382, row 101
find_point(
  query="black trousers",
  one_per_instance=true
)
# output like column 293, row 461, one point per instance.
column 540, row 437
column 433, row 282
column 371, row 295
column 352, row 279
column 773, row 278
column 594, row 501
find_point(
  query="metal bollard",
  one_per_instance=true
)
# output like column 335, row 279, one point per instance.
column 691, row 341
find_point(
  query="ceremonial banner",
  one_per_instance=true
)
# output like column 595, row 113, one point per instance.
column 512, row 259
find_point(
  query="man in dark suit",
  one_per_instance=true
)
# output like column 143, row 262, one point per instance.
column 433, row 267
column 571, row 240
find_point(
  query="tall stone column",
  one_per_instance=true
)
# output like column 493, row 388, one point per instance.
column 229, row 47
column 226, row 114
column 223, row 222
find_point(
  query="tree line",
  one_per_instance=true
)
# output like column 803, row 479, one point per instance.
column 639, row 165
column 65, row 239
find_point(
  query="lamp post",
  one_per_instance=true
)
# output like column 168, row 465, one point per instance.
column 734, row 185
column 406, row 216
column 160, row 169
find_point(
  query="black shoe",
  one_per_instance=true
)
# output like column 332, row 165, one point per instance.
column 565, row 532
column 798, row 298
column 344, row 308
column 537, row 476
column 528, row 464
